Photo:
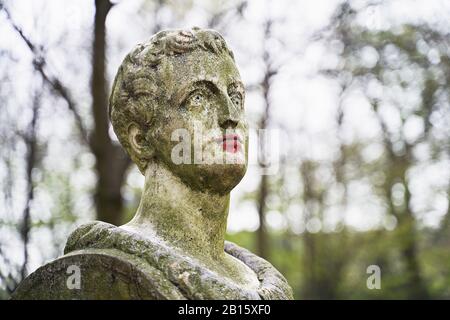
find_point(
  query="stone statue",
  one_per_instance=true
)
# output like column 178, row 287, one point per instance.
column 174, row 247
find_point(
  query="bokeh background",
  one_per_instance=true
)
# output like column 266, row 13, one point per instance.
column 358, row 89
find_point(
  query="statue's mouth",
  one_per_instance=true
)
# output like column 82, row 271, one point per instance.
column 230, row 143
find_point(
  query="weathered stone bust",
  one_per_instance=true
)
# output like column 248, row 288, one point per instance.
column 174, row 247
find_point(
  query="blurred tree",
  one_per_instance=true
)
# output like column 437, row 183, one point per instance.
column 111, row 160
column 383, row 59
column 30, row 138
column 263, row 190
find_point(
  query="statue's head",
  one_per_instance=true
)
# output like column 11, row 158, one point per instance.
column 179, row 96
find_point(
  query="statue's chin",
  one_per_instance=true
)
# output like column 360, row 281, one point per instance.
column 216, row 178
column 224, row 177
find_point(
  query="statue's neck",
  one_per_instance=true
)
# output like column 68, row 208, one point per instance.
column 192, row 221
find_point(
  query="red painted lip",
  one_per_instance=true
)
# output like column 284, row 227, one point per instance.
column 230, row 142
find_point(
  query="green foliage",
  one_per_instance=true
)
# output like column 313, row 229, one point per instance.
column 341, row 271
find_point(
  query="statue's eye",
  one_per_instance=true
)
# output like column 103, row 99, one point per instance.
column 196, row 98
column 236, row 98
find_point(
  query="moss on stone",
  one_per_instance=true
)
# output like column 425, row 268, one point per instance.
column 174, row 246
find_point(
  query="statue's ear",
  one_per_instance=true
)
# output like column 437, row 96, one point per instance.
column 137, row 141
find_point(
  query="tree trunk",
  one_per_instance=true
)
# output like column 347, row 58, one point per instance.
column 111, row 161
column 263, row 192
column 406, row 229
column 262, row 246
column 417, row 288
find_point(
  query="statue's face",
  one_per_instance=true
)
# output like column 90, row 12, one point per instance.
column 202, row 122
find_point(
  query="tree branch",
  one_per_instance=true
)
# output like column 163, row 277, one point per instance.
column 52, row 81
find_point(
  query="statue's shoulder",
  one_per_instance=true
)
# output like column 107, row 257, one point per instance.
column 113, row 263
column 103, row 235
column 96, row 271
column 88, row 233
column 273, row 285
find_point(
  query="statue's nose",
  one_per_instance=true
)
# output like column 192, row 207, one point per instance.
column 229, row 115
